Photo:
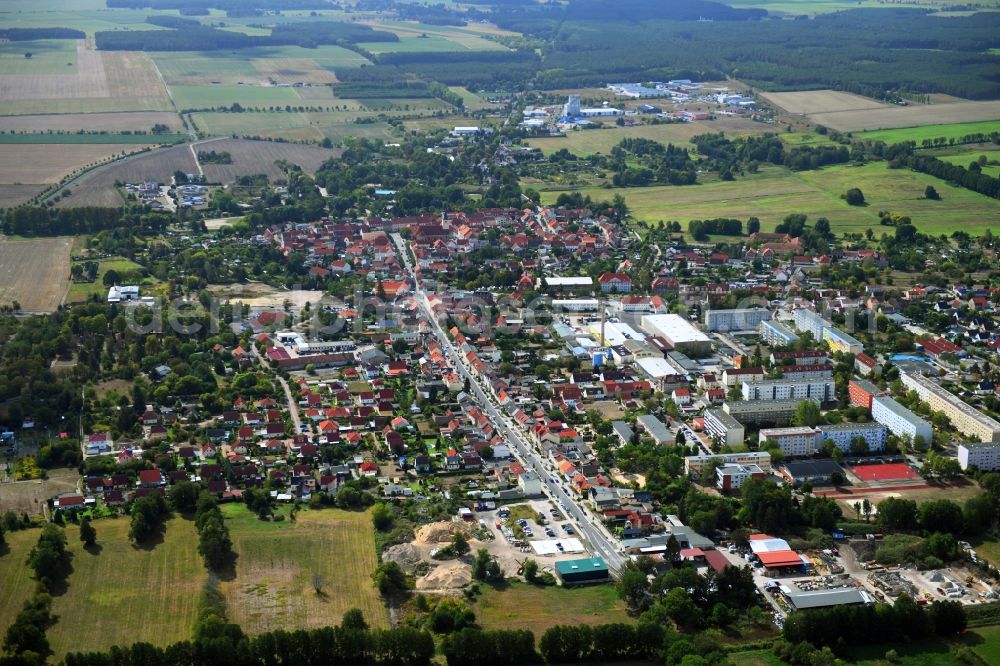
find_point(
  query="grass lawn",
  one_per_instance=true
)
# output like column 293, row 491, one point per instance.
column 990, row 550
column 585, row 142
column 277, row 560
column 205, row 97
column 523, row 606
column 775, row 192
column 964, row 158
column 755, row 658
column 918, row 134
column 17, row 582
column 91, row 138
column 48, row 56
column 81, row 291
column 985, row 641
column 121, row 594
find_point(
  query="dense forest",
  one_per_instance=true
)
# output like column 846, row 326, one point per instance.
column 226, row 5
column 30, row 34
column 864, row 51
column 190, row 35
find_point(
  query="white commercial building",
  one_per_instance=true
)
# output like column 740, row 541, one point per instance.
column 899, row 420
column 574, row 282
column 822, row 390
column 799, row 441
column 123, row 294
column 695, row 465
column 744, row 319
column 678, row 331
column 984, row 456
column 571, row 108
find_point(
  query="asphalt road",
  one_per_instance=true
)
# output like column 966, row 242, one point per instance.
column 587, row 525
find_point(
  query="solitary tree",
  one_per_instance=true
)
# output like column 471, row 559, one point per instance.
column 88, row 535
column 854, row 197
column 931, row 193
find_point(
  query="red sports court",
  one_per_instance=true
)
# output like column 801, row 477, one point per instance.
column 886, row 472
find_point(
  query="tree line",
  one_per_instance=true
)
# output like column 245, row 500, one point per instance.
column 41, row 221
column 970, row 178
column 729, row 156
column 31, row 34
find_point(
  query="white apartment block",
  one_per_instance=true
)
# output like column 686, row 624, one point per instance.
column 843, row 434
column 822, row 390
column 732, row 476
column 899, row 420
column 809, row 321
column 777, row 334
column 723, row 427
column 967, row 419
column 742, row 319
column 793, row 442
column 984, row 456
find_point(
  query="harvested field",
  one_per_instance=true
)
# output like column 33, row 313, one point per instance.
column 292, row 70
column 909, row 116
column 808, row 102
column 102, row 197
column 15, row 195
column 34, row 272
column 277, row 561
column 49, row 163
column 30, row 496
column 102, row 81
column 119, row 593
column 91, row 122
column 253, row 157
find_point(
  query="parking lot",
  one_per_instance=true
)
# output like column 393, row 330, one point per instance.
column 536, row 529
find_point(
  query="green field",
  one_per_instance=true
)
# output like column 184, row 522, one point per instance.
column 81, row 291
column 919, row 654
column 918, row 134
column 48, row 56
column 775, row 192
column 523, row 606
column 985, row 641
column 17, row 583
column 90, row 19
column 123, row 594
column 812, row 7
column 91, row 138
column 277, row 560
column 585, row 142
column 203, row 97
column 964, row 158
column 422, row 37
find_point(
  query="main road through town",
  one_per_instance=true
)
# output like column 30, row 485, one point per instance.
column 589, row 526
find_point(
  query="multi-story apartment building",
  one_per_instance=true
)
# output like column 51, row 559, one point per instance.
column 732, row 476
column 843, row 434
column 862, row 392
column 722, row 427
column 742, row 319
column 839, row 341
column 821, row 390
column 899, row 420
column 967, row 419
column 777, row 334
column 762, row 411
column 984, row 456
column 811, row 322
column 798, row 441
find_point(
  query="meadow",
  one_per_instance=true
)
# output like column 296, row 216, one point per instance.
column 965, row 157
column 80, row 291
column 277, row 561
column 17, row 583
column 775, row 192
column 207, row 97
column 586, row 142
column 48, row 56
column 254, row 65
column 523, row 606
column 918, row 134
column 120, row 594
